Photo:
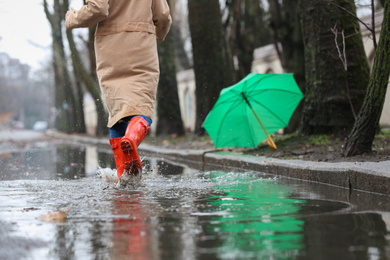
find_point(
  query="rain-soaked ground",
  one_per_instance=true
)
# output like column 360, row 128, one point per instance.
column 54, row 205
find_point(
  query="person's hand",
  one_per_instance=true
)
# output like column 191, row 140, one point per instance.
column 69, row 12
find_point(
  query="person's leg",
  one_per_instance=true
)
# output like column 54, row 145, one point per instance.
column 119, row 129
column 116, row 133
column 147, row 119
column 136, row 131
column 118, row 155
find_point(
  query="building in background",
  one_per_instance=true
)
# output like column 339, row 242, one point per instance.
column 13, row 84
column 266, row 60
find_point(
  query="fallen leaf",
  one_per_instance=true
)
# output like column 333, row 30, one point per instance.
column 54, row 217
column 6, row 155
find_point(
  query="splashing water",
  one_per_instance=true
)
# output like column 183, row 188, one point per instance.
column 173, row 212
column 128, row 180
column 107, row 174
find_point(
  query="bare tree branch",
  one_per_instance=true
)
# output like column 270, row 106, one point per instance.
column 343, row 59
column 372, row 30
column 47, row 12
column 373, row 23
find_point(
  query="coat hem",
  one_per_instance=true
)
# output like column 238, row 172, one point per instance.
column 112, row 120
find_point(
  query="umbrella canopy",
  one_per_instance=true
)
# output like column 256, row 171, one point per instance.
column 258, row 99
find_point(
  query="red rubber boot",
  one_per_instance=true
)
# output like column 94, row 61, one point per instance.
column 118, row 154
column 136, row 131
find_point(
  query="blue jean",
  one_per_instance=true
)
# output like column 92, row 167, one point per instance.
column 119, row 129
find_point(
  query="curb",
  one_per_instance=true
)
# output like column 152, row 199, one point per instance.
column 371, row 177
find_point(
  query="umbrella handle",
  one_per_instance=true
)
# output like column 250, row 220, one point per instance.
column 269, row 141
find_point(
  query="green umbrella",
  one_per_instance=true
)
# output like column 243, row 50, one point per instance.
column 251, row 110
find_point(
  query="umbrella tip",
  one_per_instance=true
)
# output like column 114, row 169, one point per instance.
column 272, row 144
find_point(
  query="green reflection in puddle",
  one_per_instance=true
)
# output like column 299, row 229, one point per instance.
column 256, row 217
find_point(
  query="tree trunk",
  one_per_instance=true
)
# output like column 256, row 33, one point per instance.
column 89, row 78
column 286, row 26
column 91, row 85
column 363, row 132
column 79, row 110
column 65, row 102
column 101, row 128
column 168, row 108
column 252, row 30
column 246, row 29
column 213, row 69
column 91, row 53
column 335, row 83
column 182, row 61
column 180, row 32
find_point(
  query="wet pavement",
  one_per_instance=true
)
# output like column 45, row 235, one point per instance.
column 54, row 205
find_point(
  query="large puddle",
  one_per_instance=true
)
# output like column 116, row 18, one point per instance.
column 53, row 205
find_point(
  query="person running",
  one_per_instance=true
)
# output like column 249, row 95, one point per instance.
column 127, row 67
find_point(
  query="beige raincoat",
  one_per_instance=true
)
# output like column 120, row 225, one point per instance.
column 126, row 51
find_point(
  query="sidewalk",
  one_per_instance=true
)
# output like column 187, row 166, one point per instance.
column 366, row 176
column 13, row 135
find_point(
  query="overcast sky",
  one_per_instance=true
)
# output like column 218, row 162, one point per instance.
column 25, row 31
